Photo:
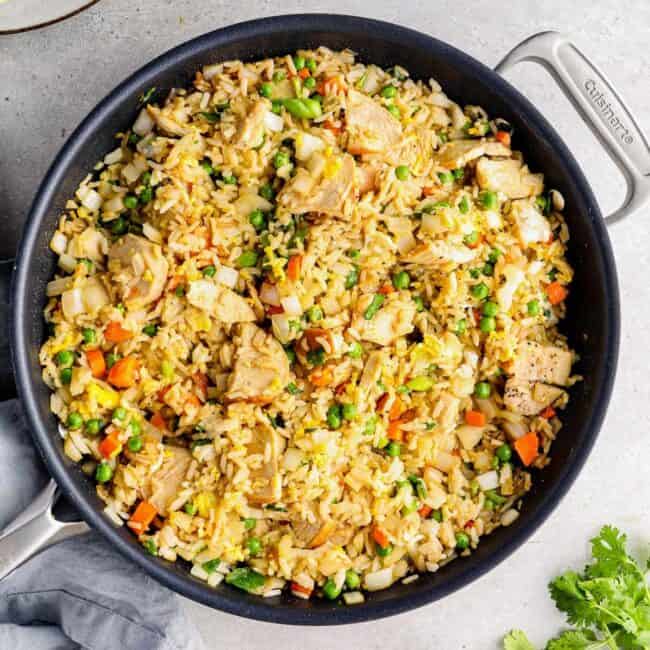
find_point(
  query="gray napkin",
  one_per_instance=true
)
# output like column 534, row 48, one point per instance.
column 78, row 593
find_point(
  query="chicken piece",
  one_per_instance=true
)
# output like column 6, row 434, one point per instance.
column 266, row 482
column 372, row 129
column 394, row 319
column 221, row 302
column 528, row 399
column 458, row 153
column 445, row 412
column 324, row 188
column 367, row 178
column 508, row 176
column 167, row 479
column 142, row 267
column 261, row 367
column 251, row 130
column 531, row 225
column 546, row 363
column 439, row 253
column 166, row 123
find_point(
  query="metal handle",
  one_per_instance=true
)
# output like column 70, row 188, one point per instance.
column 599, row 105
column 32, row 529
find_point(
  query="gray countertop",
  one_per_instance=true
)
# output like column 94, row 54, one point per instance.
column 49, row 79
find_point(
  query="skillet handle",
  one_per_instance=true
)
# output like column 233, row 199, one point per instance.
column 598, row 104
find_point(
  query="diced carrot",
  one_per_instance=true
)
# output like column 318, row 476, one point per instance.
column 96, row 362
column 427, row 190
column 556, row 293
column 396, row 409
column 110, row 446
column 381, row 402
column 503, row 137
column 475, row 418
column 159, row 421
column 548, row 413
column 527, row 447
column 321, row 377
column 274, row 309
column 357, row 150
column 115, row 333
column 192, row 401
column 425, row 511
column 386, row 288
column 323, row 534
column 380, row 536
column 123, row 373
column 394, row 430
column 142, row 517
column 295, row 587
column 331, row 86
column 330, row 126
column 293, row 267
column 160, row 395
column 304, row 73
column 477, row 315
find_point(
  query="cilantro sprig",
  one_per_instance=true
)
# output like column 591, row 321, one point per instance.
column 608, row 603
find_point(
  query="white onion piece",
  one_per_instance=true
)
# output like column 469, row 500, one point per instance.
column 57, row 287
column 227, row 276
column 292, row 459
column 72, row 303
column 509, row 517
column 94, row 295
column 67, row 263
column 469, row 436
column 90, row 199
column 307, row 145
column 273, row 122
column 444, row 461
column 59, row 242
column 489, row 480
column 353, row 597
column 113, row 157
column 143, row 123
column 281, row 328
column 515, row 430
column 379, row 579
column 487, row 407
column 269, row 294
column 151, row 233
column 130, row 173
column 291, row 305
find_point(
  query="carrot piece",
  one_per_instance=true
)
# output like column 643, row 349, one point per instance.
column 142, row 517
column 323, row 534
column 110, row 446
column 556, row 293
column 381, row 402
column 293, row 267
column 394, row 430
column 160, row 395
column 427, row 190
column 274, row 309
column 503, row 137
column 380, row 536
column 425, row 511
column 192, row 401
column 527, row 447
column 123, row 372
column 321, row 377
column 475, row 418
column 330, row 126
column 96, row 362
column 158, row 421
column 548, row 413
column 396, row 409
column 304, row 73
column 115, row 333
column 295, row 587
column 386, row 288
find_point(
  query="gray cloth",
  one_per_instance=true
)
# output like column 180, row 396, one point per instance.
column 78, row 593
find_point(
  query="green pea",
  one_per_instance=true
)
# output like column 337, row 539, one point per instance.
column 419, row 303
column 349, row 411
column 119, row 414
column 458, row 174
column 504, row 453
column 211, row 565
column 135, row 427
column 250, row 523
column 490, row 308
column 146, row 195
column 111, row 359
column 65, row 358
column 388, row 92
column 267, row 192
column 209, row 271
column 119, row 226
column 279, row 75
column 382, row 442
column 257, row 219
column 103, row 473
column 131, row 201
column 247, row 259
column 292, row 389
column 533, row 307
column 463, row 206
column 254, row 546
column 150, row 330
column 419, row 485
column 311, row 65
column 134, row 443
column 401, row 280
column 266, row 89
column 471, row 239
column 277, row 106
column 482, row 390
column 437, row 515
column 89, row 335
column 75, row 421
column 494, row 255
column 314, row 314
column 393, row 449
column 488, row 200
column 299, row 62
column 420, row 384
column 446, row 177
column 488, row 269
column 352, row 579
column 462, row 541
column 487, row 324
column 394, row 111
column 330, row 590
column 354, row 254
column 352, row 278
column 309, row 83
column 461, row 326
column 94, row 426
column 383, row 551
column 281, row 159
column 207, row 167
column 374, row 307
column 334, row 416
column 190, row 508
column 402, row 172
column 356, row 350
column 229, row 179
column 480, row 291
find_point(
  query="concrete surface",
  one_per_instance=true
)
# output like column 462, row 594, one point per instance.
column 49, row 79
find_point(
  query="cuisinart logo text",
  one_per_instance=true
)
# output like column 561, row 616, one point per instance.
column 606, row 110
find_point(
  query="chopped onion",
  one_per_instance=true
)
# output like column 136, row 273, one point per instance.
column 114, row 204
column 67, row 263
column 489, row 480
column 94, row 295
column 130, row 173
column 509, row 517
column 89, row 198
column 469, row 436
column 303, row 181
column 292, row 459
column 487, row 407
column 281, row 328
column 199, row 572
column 57, row 287
column 515, row 430
column 72, row 303
column 306, row 145
column 291, row 305
column 212, row 70
column 269, row 294
column 227, row 276
column 113, row 157
column 59, row 242
column 379, row 579
column 273, row 122
column 151, row 233
column 249, row 201
column 80, row 377
column 514, row 277
column 444, row 461
column 493, row 219
column 353, row 597
column 143, row 123
column 203, row 294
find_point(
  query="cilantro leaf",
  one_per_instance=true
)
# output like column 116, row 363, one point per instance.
column 517, row 640
column 576, row 640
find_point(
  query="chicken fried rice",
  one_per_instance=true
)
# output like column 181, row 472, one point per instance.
column 304, row 332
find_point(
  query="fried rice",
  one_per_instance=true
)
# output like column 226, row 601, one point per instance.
column 304, row 333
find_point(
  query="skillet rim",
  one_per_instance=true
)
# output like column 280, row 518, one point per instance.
column 258, row 608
